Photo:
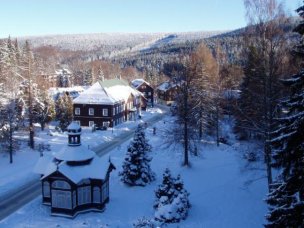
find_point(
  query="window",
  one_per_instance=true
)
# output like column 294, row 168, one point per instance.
column 77, row 111
column 84, row 195
column 46, row 189
column 91, row 123
column 105, row 112
column 114, row 111
column 74, row 199
column 106, row 124
column 78, row 122
column 117, row 110
column 61, row 199
column 91, row 111
column 61, row 184
column 96, row 195
column 105, row 191
column 149, row 93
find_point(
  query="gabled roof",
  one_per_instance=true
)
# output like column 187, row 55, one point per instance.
column 119, row 89
column 166, row 85
column 138, row 82
column 95, row 95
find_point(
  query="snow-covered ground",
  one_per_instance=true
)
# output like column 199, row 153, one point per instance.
column 225, row 191
column 13, row 176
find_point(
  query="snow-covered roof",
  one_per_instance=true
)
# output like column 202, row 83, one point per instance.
column 138, row 82
column 74, row 91
column 45, row 164
column 73, row 126
column 74, row 153
column 96, row 169
column 166, row 85
column 95, row 95
column 62, row 71
column 119, row 89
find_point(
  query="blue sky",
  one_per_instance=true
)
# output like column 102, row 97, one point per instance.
column 41, row 17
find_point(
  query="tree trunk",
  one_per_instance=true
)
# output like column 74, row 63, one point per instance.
column 42, row 125
column 186, row 157
column 217, row 126
column 268, row 163
column 11, row 143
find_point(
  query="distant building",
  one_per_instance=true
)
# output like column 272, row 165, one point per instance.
column 147, row 90
column 166, row 92
column 63, row 77
column 107, row 103
column 75, row 179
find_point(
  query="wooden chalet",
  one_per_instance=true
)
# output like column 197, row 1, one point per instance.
column 74, row 180
column 107, row 104
column 166, row 92
column 147, row 90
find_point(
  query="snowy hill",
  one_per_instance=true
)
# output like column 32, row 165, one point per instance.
column 113, row 44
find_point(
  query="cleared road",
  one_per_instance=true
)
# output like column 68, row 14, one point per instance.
column 21, row 196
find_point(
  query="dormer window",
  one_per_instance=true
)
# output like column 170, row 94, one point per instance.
column 91, row 111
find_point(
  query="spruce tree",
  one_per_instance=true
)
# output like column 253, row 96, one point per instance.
column 136, row 166
column 64, row 111
column 286, row 199
column 172, row 203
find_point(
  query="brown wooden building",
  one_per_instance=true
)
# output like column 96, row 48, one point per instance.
column 107, row 104
column 147, row 90
column 166, row 92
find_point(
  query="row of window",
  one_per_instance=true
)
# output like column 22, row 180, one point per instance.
column 105, row 111
column 105, row 124
column 63, row 199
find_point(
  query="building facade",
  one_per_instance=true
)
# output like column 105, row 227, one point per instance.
column 166, row 92
column 107, row 104
column 147, row 90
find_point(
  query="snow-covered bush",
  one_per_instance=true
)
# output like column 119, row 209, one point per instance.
column 146, row 223
column 172, row 203
column 136, row 166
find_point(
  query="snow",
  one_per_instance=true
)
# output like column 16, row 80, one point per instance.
column 95, row 95
column 18, row 174
column 74, row 126
column 75, row 153
column 138, row 82
column 166, row 85
column 119, row 89
column 225, row 190
column 97, row 169
column 74, row 91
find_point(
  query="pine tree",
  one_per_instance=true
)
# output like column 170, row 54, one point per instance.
column 10, row 80
column 250, row 110
column 88, row 77
column 286, row 199
column 136, row 166
column 44, row 109
column 64, row 111
column 172, row 203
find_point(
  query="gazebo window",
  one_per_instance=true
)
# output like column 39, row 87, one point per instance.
column 61, row 184
column 84, row 195
column 96, row 195
column 61, row 199
column 46, row 189
column 105, row 191
column 74, row 199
